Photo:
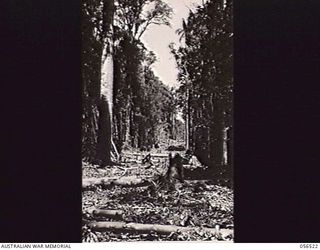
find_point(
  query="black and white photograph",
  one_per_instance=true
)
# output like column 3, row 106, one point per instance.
column 175, row 123
column 157, row 120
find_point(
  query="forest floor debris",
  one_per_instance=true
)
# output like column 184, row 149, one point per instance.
column 189, row 204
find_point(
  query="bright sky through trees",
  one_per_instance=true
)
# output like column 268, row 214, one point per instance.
column 158, row 37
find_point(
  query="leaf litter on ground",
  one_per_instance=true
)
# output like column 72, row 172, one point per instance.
column 192, row 204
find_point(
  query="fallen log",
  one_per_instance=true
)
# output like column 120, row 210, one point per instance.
column 133, row 181
column 106, row 213
column 160, row 155
column 147, row 228
column 122, row 181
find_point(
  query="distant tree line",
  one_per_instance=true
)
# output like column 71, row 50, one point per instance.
column 205, row 62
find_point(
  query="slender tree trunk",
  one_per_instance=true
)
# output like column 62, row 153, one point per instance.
column 173, row 126
column 187, row 122
column 127, row 142
column 225, row 146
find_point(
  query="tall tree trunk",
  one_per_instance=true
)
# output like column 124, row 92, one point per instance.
column 105, row 107
column 103, row 155
column 218, row 134
column 107, row 73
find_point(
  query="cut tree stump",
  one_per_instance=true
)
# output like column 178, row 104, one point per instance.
column 147, row 228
